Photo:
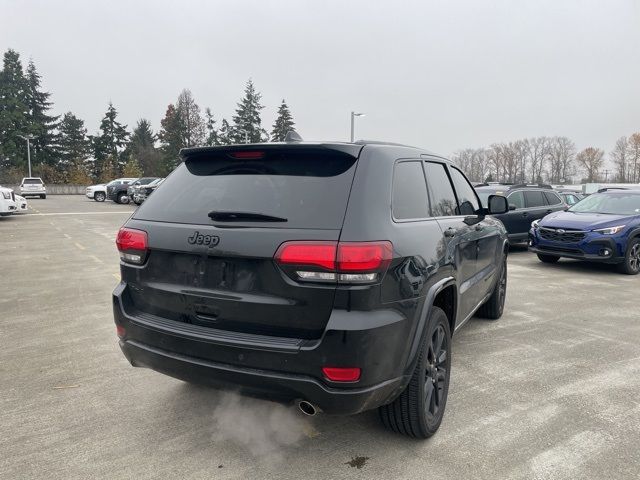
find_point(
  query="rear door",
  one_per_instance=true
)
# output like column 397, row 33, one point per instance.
column 537, row 206
column 517, row 221
column 215, row 225
column 460, row 238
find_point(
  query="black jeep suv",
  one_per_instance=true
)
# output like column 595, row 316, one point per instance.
column 526, row 204
column 332, row 275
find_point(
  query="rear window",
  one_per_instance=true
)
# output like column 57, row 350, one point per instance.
column 308, row 187
column 409, row 200
column 32, row 181
column 552, row 198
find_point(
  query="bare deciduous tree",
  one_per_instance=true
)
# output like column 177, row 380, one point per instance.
column 562, row 153
column 591, row 160
column 620, row 159
column 634, row 158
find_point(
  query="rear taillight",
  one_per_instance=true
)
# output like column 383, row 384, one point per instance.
column 132, row 245
column 328, row 261
column 120, row 331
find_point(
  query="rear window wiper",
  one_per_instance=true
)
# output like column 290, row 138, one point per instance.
column 243, row 216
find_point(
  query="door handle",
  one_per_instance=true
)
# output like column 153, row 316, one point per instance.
column 549, row 211
column 449, row 232
column 525, row 214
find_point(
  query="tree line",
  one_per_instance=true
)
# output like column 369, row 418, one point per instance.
column 62, row 150
column 553, row 160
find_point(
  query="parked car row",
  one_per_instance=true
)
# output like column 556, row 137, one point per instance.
column 11, row 203
column 602, row 227
column 124, row 190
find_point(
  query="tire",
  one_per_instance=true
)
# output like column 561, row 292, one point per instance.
column 43, row 197
column 631, row 263
column 137, row 202
column 493, row 308
column 123, row 198
column 419, row 409
column 99, row 196
column 548, row 258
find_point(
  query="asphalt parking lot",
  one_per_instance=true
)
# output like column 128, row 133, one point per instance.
column 551, row 390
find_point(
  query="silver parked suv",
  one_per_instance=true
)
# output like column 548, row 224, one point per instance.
column 33, row 186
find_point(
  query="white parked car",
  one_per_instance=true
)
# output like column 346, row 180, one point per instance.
column 7, row 202
column 21, row 204
column 33, row 186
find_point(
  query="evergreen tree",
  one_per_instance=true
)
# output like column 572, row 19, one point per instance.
column 283, row 124
column 170, row 138
column 132, row 168
column 224, row 133
column 14, row 110
column 210, row 124
column 110, row 144
column 41, row 124
column 73, row 147
column 192, row 127
column 142, row 148
column 247, row 118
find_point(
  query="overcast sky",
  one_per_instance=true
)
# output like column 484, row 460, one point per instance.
column 443, row 75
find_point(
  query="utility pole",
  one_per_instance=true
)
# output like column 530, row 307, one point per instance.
column 606, row 175
column 28, row 138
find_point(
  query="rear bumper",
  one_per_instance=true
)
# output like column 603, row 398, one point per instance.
column 263, row 383
column 284, row 369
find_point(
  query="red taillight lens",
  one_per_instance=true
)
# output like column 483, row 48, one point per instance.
column 364, row 256
column 320, row 254
column 132, row 245
column 336, row 374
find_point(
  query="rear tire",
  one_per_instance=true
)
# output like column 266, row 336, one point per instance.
column 418, row 411
column 123, row 198
column 99, row 197
column 631, row 263
column 548, row 258
column 43, row 197
column 494, row 307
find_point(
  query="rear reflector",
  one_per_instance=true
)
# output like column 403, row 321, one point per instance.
column 336, row 374
column 120, row 331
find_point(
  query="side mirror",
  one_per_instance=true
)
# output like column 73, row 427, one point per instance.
column 512, row 207
column 498, row 204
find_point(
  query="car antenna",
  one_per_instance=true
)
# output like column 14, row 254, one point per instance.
column 292, row 136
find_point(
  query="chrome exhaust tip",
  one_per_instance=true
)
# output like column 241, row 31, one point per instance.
column 307, row 408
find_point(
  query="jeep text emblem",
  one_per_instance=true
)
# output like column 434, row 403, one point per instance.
column 207, row 240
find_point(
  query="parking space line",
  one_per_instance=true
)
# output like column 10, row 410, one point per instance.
column 120, row 212
column 96, row 259
column 81, row 247
column 116, row 276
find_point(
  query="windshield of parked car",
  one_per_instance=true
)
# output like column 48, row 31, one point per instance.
column 607, row 203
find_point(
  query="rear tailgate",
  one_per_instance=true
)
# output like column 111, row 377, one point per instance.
column 221, row 274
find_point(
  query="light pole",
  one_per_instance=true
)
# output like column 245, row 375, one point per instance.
column 27, row 138
column 353, row 115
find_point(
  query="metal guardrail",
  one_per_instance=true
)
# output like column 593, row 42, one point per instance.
column 56, row 189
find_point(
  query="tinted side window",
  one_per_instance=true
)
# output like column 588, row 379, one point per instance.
column 517, row 199
column 409, row 199
column 468, row 202
column 552, row 198
column 443, row 200
column 534, row 199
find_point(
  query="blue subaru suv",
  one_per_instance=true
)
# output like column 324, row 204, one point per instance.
column 604, row 227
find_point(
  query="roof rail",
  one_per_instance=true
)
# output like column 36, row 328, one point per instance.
column 531, row 185
column 605, row 189
column 379, row 142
